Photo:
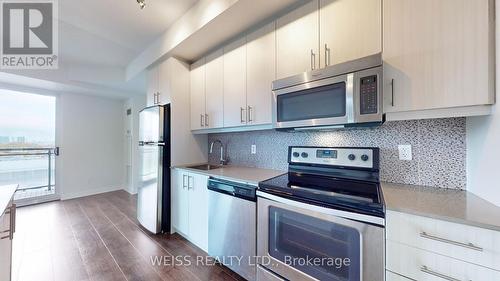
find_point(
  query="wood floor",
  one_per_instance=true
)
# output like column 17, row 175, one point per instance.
column 98, row 238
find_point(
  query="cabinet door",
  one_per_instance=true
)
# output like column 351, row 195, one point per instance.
column 349, row 29
column 297, row 41
column 198, row 210
column 261, row 72
column 152, row 87
column 235, row 97
column 437, row 54
column 5, row 248
column 214, row 90
column 164, row 83
column 180, row 201
column 197, row 94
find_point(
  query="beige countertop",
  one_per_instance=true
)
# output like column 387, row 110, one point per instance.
column 451, row 205
column 6, row 194
column 242, row 174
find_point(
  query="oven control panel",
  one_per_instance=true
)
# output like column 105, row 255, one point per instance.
column 335, row 156
column 368, row 95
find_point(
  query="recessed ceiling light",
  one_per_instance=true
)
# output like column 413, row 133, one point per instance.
column 142, row 3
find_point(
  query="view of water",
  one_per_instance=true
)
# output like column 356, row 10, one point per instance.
column 27, row 171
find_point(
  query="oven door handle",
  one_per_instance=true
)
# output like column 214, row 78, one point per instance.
column 339, row 213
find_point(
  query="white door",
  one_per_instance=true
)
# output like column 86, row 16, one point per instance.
column 180, row 201
column 261, row 72
column 437, row 54
column 297, row 41
column 349, row 29
column 152, row 88
column 164, row 83
column 197, row 93
column 198, row 210
column 214, row 89
column 235, row 103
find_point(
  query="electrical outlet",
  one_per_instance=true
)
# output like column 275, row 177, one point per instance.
column 254, row 149
column 405, row 152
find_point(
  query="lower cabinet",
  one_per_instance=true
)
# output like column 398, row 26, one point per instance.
column 422, row 248
column 190, row 206
column 7, row 226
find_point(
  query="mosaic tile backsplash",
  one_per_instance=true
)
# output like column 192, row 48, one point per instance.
column 438, row 146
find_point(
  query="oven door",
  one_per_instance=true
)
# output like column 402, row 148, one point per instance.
column 299, row 241
column 325, row 102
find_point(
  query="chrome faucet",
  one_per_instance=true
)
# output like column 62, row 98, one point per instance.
column 222, row 160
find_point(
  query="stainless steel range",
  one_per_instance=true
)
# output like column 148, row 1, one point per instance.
column 324, row 219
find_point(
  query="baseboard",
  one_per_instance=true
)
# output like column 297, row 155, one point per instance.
column 134, row 192
column 88, row 192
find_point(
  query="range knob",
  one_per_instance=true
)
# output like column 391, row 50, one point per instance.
column 351, row 157
column 364, row 157
column 296, row 154
column 304, row 154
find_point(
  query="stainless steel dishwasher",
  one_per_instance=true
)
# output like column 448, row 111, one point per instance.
column 232, row 227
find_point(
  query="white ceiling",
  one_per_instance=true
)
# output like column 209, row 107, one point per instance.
column 113, row 32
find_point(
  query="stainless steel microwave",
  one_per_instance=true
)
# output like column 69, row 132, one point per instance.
column 343, row 95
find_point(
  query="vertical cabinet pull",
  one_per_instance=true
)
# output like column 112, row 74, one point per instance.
column 392, row 92
column 184, row 181
column 202, row 122
column 190, row 180
column 206, row 120
column 242, row 117
column 313, row 60
column 327, row 55
column 158, row 98
column 250, row 115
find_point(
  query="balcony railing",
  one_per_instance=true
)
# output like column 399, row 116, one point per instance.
column 31, row 168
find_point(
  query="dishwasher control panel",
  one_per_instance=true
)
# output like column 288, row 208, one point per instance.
column 236, row 189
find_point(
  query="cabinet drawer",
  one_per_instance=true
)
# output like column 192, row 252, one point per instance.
column 422, row 265
column 471, row 244
column 390, row 276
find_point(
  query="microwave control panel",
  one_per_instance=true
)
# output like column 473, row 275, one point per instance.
column 368, row 95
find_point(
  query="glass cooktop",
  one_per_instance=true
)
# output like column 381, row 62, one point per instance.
column 362, row 197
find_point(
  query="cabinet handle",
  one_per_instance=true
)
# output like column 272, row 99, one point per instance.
column 242, row 118
column 471, row 246
column 327, row 55
column 392, row 92
column 184, row 181
column 425, row 269
column 12, row 228
column 201, row 120
column 206, row 120
column 190, row 179
column 250, row 117
column 158, row 98
column 313, row 60
column 13, row 210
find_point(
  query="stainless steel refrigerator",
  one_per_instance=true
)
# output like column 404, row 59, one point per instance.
column 153, row 200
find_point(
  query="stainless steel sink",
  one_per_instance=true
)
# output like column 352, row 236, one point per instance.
column 204, row 167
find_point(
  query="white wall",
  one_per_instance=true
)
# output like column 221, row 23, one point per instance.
column 483, row 144
column 136, row 103
column 90, row 134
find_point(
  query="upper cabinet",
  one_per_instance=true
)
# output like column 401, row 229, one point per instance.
column 261, row 72
column 297, row 41
column 235, row 96
column 349, row 29
column 437, row 54
column 214, row 89
column 197, row 95
column 159, row 85
column 152, row 86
